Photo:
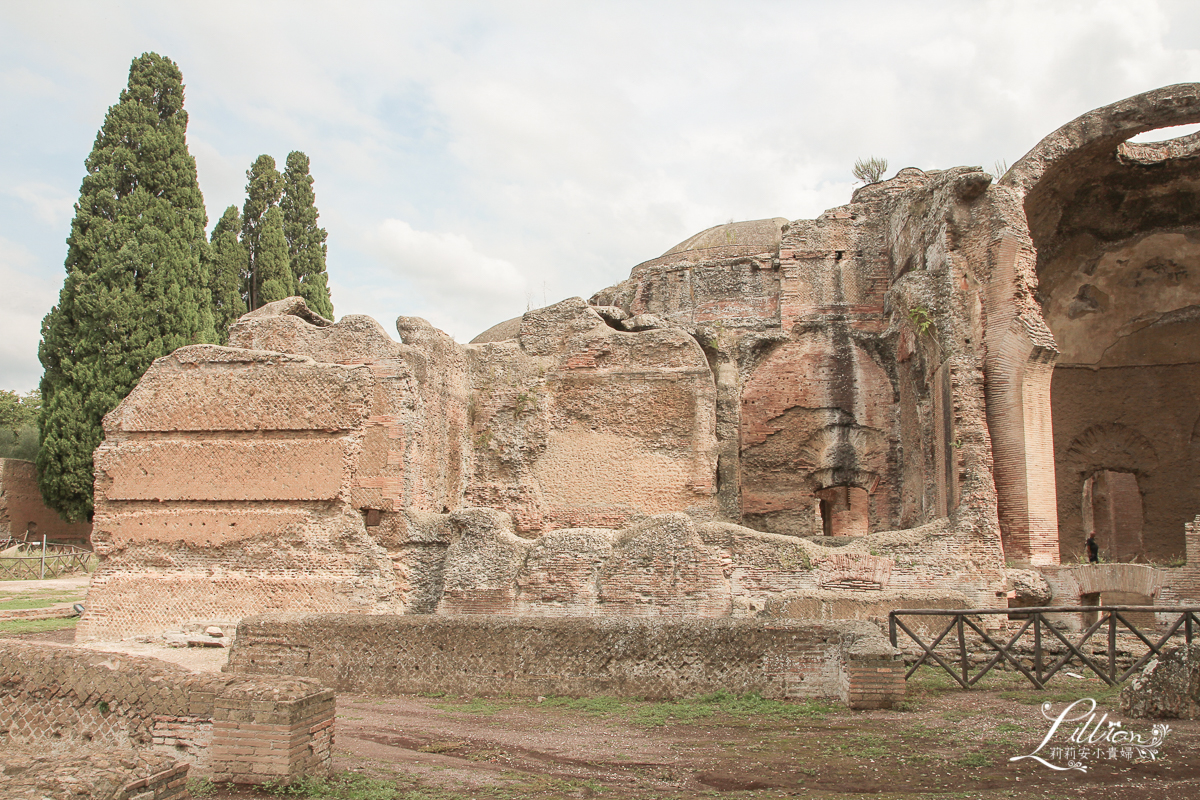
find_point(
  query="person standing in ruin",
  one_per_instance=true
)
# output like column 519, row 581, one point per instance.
column 1093, row 549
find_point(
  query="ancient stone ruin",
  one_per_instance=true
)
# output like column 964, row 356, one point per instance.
column 24, row 517
column 926, row 397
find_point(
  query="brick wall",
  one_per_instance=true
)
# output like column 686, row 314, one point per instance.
column 21, row 504
column 530, row 656
column 245, row 730
column 90, row 773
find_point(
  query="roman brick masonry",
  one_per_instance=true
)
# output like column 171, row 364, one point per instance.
column 229, row 728
column 653, row 658
column 927, row 397
column 23, row 515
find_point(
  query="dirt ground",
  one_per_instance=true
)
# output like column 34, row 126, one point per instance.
column 944, row 743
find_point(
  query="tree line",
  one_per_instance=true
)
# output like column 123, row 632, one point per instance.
column 144, row 279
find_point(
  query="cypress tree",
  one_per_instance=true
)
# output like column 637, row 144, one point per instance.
column 306, row 241
column 229, row 265
column 275, row 280
column 136, row 284
column 264, row 186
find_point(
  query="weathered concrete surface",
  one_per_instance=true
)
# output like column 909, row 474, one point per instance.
column 1168, row 687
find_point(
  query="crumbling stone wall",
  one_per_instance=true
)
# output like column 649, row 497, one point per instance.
column 934, row 375
column 23, row 514
column 246, row 730
column 531, row 656
column 91, row 773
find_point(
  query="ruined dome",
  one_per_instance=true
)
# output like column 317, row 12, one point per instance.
column 724, row 241
column 759, row 235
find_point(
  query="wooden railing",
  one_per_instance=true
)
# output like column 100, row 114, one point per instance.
column 40, row 560
column 1186, row 622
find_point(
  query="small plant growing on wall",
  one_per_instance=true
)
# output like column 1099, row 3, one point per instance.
column 919, row 317
column 870, row 170
column 525, row 401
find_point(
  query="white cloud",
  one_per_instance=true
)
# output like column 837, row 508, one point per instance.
column 471, row 158
column 50, row 204
column 25, row 300
column 453, row 284
column 22, row 80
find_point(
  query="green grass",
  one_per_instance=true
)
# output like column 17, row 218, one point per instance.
column 974, row 760
column 866, row 745
column 657, row 714
column 26, row 602
column 728, row 704
column 344, row 786
column 1094, row 688
column 476, row 705
column 596, row 706
column 201, row 787
column 36, row 625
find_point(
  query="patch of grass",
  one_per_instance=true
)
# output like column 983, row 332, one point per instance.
column 867, row 745
column 25, row 602
column 445, row 746
column 37, row 625
column 958, row 714
column 201, row 787
column 1095, row 689
column 746, row 705
column 344, row 786
column 596, row 706
column 974, row 760
column 476, row 705
column 1011, row 727
column 931, row 681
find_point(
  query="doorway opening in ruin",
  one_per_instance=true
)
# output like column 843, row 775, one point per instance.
column 843, row 511
column 1142, row 619
column 1112, row 510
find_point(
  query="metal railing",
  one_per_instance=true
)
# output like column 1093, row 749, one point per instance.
column 1185, row 618
column 40, row 560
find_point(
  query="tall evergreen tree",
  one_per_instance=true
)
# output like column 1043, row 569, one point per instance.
column 136, row 286
column 264, row 186
column 229, row 265
column 275, row 280
column 306, row 241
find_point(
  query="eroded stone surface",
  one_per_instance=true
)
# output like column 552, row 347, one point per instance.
column 1168, row 688
column 922, row 397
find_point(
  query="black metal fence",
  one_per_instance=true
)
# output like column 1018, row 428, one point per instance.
column 1045, row 664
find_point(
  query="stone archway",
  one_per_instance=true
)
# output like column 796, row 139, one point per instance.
column 1094, row 315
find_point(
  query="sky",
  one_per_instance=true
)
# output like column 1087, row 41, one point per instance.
column 475, row 160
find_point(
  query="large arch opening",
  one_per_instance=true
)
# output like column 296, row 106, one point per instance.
column 1117, row 235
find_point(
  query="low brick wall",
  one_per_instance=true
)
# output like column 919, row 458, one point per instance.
column 90, row 773
column 655, row 658
column 246, row 730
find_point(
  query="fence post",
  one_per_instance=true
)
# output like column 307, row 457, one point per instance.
column 43, row 576
column 1112, row 645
